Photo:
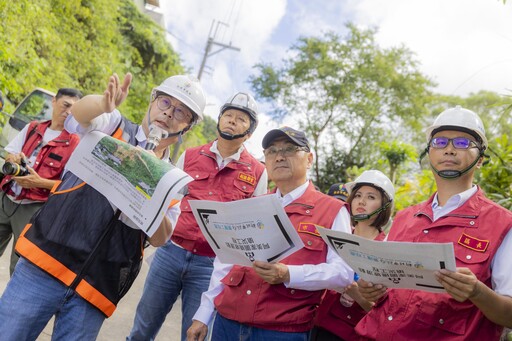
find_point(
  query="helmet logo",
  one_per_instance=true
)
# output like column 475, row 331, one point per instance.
column 185, row 88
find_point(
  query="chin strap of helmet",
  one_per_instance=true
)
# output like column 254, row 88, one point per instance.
column 449, row 173
column 227, row 136
column 361, row 217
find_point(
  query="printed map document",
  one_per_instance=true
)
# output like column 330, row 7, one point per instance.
column 393, row 264
column 243, row 231
column 139, row 184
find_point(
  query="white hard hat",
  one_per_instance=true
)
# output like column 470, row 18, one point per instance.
column 244, row 102
column 373, row 178
column 459, row 119
column 186, row 89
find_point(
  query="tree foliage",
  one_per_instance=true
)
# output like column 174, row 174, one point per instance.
column 80, row 43
column 495, row 177
column 346, row 93
column 396, row 154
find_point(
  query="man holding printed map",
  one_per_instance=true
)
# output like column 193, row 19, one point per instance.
column 278, row 300
column 80, row 255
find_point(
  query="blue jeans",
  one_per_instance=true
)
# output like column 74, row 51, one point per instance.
column 30, row 300
column 229, row 330
column 173, row 270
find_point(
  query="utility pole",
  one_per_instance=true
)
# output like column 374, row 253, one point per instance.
column 210, row 43
column 207, row 53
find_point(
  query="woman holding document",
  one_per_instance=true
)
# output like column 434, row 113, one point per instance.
column 371, row 204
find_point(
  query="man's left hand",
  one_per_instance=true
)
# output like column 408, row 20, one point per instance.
column 272, row 273
column 32, row 180
column 461, row 284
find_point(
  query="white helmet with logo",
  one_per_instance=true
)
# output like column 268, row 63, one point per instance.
column 186, row 89
column 373, row 178
column 459, row 119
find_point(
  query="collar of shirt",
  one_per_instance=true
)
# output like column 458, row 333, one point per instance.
column 142, row 139
column 454, row 202
column 293, row 195
column 223, row 162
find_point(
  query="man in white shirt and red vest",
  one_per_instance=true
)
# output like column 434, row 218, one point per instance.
column 36, row 159
column 223, row 170
column 277, row 301
column 478, row 299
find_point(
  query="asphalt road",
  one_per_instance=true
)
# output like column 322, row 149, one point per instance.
column 117, row 327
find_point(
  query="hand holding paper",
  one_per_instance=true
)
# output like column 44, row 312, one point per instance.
column 138, row 183
column 272, row 273
column 243, row 231
column 392, row 264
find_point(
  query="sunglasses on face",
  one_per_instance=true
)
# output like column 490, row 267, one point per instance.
column 457, row 142
column 179, row 113
column 287, row 151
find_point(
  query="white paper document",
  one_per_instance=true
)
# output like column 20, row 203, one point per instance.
column 243, row 231
column 139, row 184
column 394, row 264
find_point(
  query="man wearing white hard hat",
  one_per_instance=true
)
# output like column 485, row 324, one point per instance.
column 478, row 299
column 223, row 170
column 79, row 254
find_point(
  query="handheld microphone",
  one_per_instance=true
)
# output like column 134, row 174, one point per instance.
column 155, row 135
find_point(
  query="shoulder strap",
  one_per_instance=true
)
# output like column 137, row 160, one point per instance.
column 31, row 132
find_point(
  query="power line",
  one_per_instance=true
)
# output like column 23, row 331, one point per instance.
column 480, row 70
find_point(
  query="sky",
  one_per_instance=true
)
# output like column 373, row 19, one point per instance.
column 463, row 45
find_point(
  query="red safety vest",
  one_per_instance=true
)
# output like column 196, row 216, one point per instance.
column 237, row 180
column 476, row 229
column 248, row 299
column 337, row 318
column 50, row 160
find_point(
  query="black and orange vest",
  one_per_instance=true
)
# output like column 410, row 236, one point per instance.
column 77, row 238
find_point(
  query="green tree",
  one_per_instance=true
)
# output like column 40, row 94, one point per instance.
column 346, row 93
column 396, row 154
column 80, row 43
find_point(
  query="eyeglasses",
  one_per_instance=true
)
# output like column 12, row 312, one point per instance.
column 287, row 151
column 457, row 142
column 178, row 112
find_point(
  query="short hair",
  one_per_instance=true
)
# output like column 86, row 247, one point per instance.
column 70, row 92
column 382, row 217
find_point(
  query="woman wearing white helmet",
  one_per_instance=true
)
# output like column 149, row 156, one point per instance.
column 370, row 199
column 371, row 204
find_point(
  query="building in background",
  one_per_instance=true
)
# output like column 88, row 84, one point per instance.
column 152, row 9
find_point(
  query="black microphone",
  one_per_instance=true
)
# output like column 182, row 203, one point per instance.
column 155, row 135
